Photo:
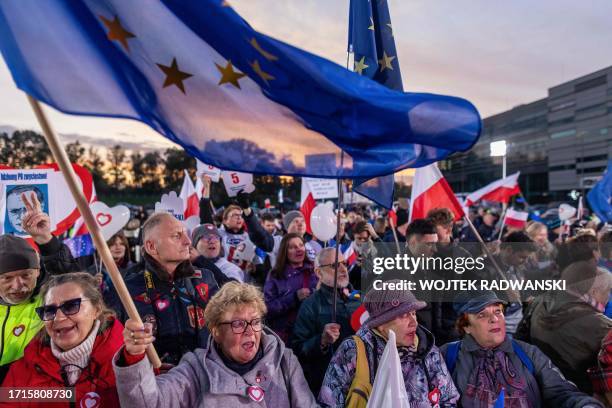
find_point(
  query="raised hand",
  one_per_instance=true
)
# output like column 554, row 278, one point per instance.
column 137, row 337
column 35, row 222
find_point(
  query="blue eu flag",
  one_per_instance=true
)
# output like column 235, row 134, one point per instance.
column 600, row 196
column 373, row 47
column 198, row 74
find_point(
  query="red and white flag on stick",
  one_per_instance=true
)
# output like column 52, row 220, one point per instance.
column 431, row 190
column 498, row 191
column 307, row 203
column 191, row 203
column 515, row 218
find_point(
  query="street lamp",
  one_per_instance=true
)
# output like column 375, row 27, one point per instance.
column 499, row 149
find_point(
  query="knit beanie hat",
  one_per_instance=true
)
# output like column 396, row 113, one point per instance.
column 386, row 305
column 290, row 216
column 204, row 230
column 16, row 254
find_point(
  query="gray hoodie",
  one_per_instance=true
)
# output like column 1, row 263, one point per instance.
column 201, row 379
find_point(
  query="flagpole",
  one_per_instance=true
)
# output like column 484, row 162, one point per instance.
column 338, row 220
column 63, row 162
column 501, row 228
column 397, row 245
column 490, row 256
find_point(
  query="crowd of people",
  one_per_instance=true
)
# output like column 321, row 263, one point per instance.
column 276, row 327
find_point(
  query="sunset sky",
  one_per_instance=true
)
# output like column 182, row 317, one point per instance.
column 495, row 54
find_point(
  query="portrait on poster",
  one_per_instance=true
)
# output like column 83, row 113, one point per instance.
column 16, row 208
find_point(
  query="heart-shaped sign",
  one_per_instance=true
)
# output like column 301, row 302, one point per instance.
column 90, row 400
column 62, row 207
column 256, row 393
column 18, row 330
column 111, row 220
column 161, row 304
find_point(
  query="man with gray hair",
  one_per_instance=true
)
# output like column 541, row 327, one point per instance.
column 169, row 293
column 315, row 335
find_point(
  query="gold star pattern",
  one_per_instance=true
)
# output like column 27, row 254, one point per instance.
column 261, row 73
column 228, row 75
column 174, row 76
column 371, row 27
column 117, row 32
column 224, row 3
column 385, row 62
column 263, row 52
column 360, row 65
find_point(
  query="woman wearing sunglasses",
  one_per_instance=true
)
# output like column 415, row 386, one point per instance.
column 75, row 348
column 244, row 364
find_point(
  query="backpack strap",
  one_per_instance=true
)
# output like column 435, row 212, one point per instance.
column 361, row 366
column 523, row 356
column 452, row 352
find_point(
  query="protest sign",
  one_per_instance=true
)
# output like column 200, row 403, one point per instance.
column 235, row 181
column 211, row 171
column 322, row 189
column 171, row 203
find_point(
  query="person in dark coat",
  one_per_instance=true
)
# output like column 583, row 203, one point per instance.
column 168, row 291
column 290, row 282
column 315, row 336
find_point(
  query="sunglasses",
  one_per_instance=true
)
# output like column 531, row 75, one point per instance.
column 68, row 308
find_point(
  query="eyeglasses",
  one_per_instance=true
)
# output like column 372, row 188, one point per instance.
column 240, row 326
column 333, row 265
column 239, row 215
column 68, row 308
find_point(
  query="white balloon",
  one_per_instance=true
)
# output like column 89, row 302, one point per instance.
column 111, row 220
column 323, row 221
column 566, row 212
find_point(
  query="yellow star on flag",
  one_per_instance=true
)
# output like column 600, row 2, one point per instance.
column 390, row 28
column 174, row 76
column 361, row 65
column 371, row 27
column 263, row 52
column 261, row 73
column 385, row 61
column 117, row 32
column 228, row 75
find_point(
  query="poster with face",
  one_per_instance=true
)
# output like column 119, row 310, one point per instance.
column 14, row 183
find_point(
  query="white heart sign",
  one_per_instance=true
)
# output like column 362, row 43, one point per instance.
column 111, row 220
column 566, row 212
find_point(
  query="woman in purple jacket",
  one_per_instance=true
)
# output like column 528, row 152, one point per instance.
column 290, row 281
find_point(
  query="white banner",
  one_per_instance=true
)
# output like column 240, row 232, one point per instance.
column 322, row 189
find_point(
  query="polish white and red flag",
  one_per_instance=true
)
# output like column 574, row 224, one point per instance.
column 307, row 203
column 191, row 203
column 431, row 190
column 515, row 218
column 499, row 191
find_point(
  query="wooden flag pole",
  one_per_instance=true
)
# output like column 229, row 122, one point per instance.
column 397, row 245
column 61, row 158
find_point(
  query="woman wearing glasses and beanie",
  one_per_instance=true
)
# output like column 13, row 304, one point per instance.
column 426, row 378
column 244, row 364
column 75, row 348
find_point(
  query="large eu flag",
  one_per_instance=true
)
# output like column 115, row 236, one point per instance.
column 198, row 74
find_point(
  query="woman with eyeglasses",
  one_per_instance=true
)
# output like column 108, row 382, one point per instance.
column 290, row 282
column 244, row 364
column 76, row 347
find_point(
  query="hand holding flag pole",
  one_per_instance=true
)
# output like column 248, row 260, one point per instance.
column 61, row 158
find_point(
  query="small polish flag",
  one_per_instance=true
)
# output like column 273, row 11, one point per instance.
column 431, row 190
column 307, row 204
column 498, row 191
column 516, row 219
column 191, row 204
